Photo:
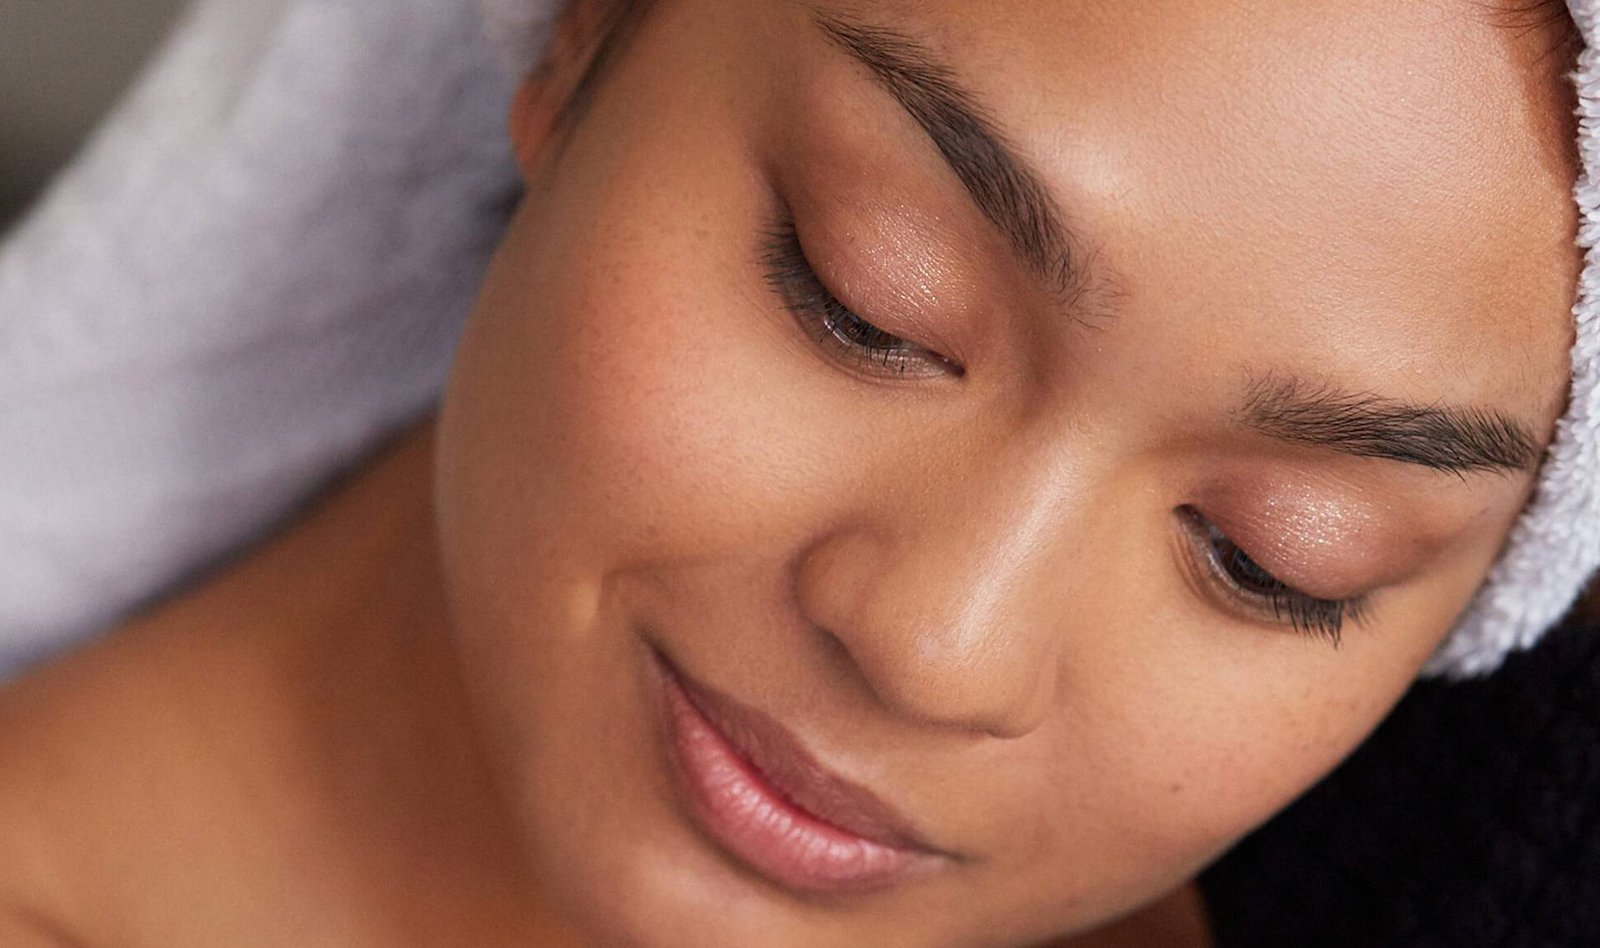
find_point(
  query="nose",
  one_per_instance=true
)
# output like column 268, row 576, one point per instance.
column 949, row 599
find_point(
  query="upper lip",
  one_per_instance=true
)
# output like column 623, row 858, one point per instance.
column 780, row 758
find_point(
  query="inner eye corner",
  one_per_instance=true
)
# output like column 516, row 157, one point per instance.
column 1190, row 516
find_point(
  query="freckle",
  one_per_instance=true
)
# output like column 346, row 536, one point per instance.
column 1175, row 788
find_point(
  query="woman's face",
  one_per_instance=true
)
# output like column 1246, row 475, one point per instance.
column 1074, row 426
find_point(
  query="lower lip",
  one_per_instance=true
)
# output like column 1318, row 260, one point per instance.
column 750, row 819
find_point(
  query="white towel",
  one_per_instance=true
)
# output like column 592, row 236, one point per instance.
column 256, row 270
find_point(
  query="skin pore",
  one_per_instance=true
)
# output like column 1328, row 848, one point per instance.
column 1075, row 426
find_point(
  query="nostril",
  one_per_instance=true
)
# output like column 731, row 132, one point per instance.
column 932, row 624
column 944, row 690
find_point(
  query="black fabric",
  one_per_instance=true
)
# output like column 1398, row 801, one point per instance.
column 1469, row 819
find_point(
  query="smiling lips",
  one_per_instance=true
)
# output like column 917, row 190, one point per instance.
column 764, row 799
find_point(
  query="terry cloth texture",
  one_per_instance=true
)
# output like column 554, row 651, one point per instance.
column 255, row 272
column 1470, row 819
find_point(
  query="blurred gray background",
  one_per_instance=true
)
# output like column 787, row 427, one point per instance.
column 62, row 65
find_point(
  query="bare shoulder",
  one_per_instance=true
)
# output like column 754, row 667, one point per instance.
column 144, row 723
column 172, row 754
column 91, row 748
column 140, row 768
column 154, row 761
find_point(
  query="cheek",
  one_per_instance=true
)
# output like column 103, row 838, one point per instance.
column 611, row 409
column 1205, row 762
column 1168, row 753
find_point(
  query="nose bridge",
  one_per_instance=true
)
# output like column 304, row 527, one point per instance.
column 950, row 603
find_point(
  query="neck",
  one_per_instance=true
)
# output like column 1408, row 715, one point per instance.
column 398, row 766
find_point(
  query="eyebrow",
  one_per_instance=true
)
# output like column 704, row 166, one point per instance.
column 1009, row 193
column 1441, row 438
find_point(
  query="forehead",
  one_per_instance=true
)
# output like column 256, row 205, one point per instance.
column 1385, row 182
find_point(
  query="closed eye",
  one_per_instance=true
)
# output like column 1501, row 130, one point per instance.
column 1250, row 588
column 832, row 325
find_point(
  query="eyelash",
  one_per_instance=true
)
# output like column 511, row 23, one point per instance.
column 1228, row 566
column 1242, row 578
column 829, row 321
